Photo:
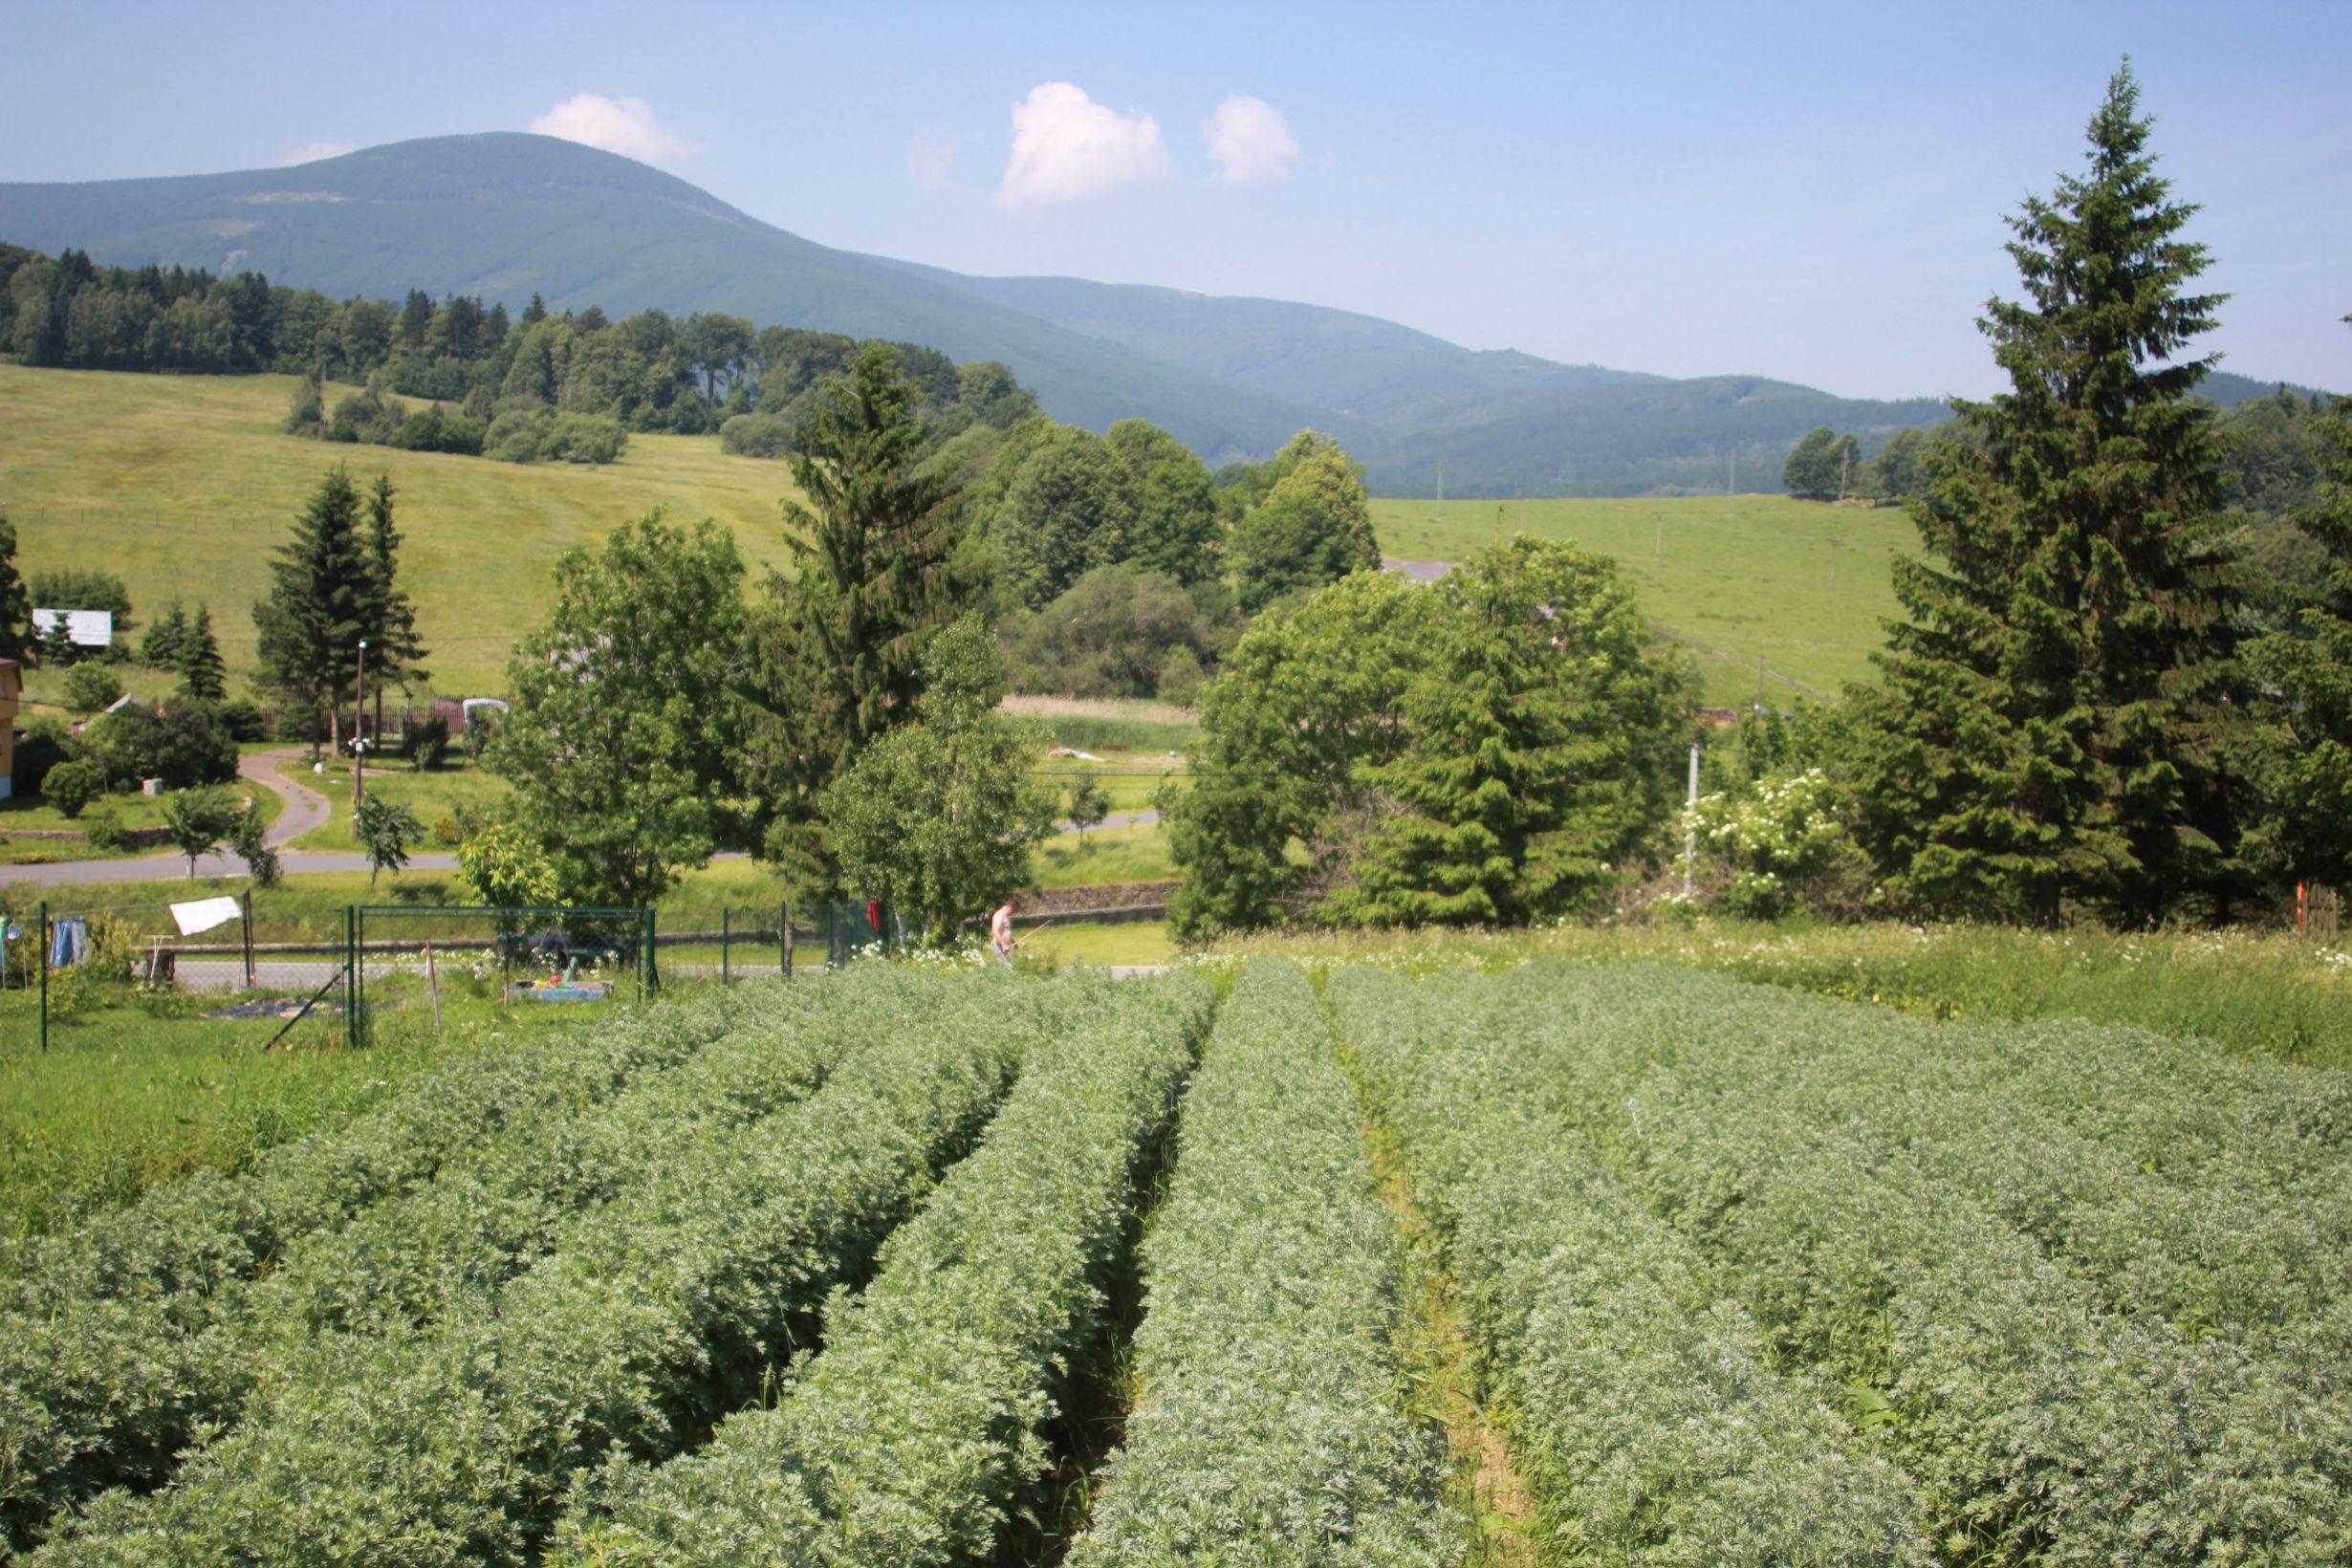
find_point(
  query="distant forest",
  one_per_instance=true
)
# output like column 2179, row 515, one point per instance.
column 540, row 385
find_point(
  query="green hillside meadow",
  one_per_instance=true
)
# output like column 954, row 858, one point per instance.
column 1801, row 584
column 183, row 484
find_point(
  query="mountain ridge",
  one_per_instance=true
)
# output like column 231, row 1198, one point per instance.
column 504, row 214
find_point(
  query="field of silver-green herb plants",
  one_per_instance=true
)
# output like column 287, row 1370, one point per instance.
column 911, row 1266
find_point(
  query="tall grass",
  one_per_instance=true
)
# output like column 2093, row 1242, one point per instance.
column 2251, row 993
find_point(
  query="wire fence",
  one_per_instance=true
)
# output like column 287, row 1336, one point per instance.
column 364, row 974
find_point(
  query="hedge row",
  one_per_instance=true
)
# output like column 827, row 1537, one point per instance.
column 109, row 1335
column 911, row 1438
column 2038, row 1425
column 654, row 1313
column 1643, row 1409
column 1270, row 1429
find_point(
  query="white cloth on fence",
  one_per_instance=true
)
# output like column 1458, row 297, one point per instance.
column 202, row 914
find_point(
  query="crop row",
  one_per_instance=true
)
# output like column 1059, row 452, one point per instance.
column 652, row 1314
column 110, row 1336
column 1643, row 1410
column 1269, row 1429
column 2037, row 1425
column 911, row 1438
column 2250, row 1238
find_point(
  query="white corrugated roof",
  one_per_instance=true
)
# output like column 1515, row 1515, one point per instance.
column 88, row 628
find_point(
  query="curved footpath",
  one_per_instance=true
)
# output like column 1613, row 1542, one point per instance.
column 305, row 809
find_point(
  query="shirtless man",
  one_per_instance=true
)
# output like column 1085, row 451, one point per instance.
column 1000, row 932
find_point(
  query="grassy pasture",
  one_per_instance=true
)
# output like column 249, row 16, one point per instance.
column 1801, row 583
column 184, row 484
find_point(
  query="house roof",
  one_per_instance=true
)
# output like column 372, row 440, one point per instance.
column 87, row 628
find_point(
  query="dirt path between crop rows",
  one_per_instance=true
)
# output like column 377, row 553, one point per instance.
column 1432, row 1346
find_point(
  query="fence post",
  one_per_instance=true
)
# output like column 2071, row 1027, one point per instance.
column 351, row 1032
column 250, row 978
column 650, row 974
column 44, row 937
column 784, row 939
column 726, row 933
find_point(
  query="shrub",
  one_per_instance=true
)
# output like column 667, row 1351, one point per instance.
column 370, row 417
column 430, row 430
column 44, row 744
column 89, row 688
column 758, row 435
column 244, row 719
column 543, row 435
column 428, row 743
column 106, row 830
column 194, row 746
column 124, row 745
column 1181, row 678
column 1783, row 847
column 1109, row 636
column 70, row 786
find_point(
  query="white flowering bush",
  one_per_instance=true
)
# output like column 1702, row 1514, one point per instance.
column 911, row 1438
column 650, row 1315
column 1780, row 847
column 1644, row 1411
column 1270, row 1430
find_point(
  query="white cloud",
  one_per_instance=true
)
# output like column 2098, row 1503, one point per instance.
column 624, row 126
column 1066, row 148
column 311, row 152
column 928, row 157
column 1250, row 140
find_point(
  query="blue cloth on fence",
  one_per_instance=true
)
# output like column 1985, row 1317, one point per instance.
column 69, row 939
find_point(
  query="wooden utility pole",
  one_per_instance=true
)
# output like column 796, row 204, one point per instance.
column 358, row 737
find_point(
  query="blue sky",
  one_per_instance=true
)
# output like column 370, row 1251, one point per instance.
column 1811, row 191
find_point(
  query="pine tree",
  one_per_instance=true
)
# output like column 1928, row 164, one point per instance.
column 395, row 653
column 16, row 636
column 201, row 673
column 843, row 644
column 2045, row 733
column 161, row 648
column 311, row 624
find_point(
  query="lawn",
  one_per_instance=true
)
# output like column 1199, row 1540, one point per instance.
column 1107, row 855
column 1098, row 942
column 434, row 796
column 184, row 484
column 1802, row 585
column 32, row 813
column 127, row 1095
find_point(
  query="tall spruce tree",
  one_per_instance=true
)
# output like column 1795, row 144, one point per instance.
column 16, row 635
column 395, row 653
column 201, row 673
column 838, row 652
column 2044, row 738
column 311, row 624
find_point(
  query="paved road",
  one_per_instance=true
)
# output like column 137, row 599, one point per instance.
column 305, row 809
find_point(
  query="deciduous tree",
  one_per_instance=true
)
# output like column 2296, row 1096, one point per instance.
column 938, row 818
column 623, row 742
